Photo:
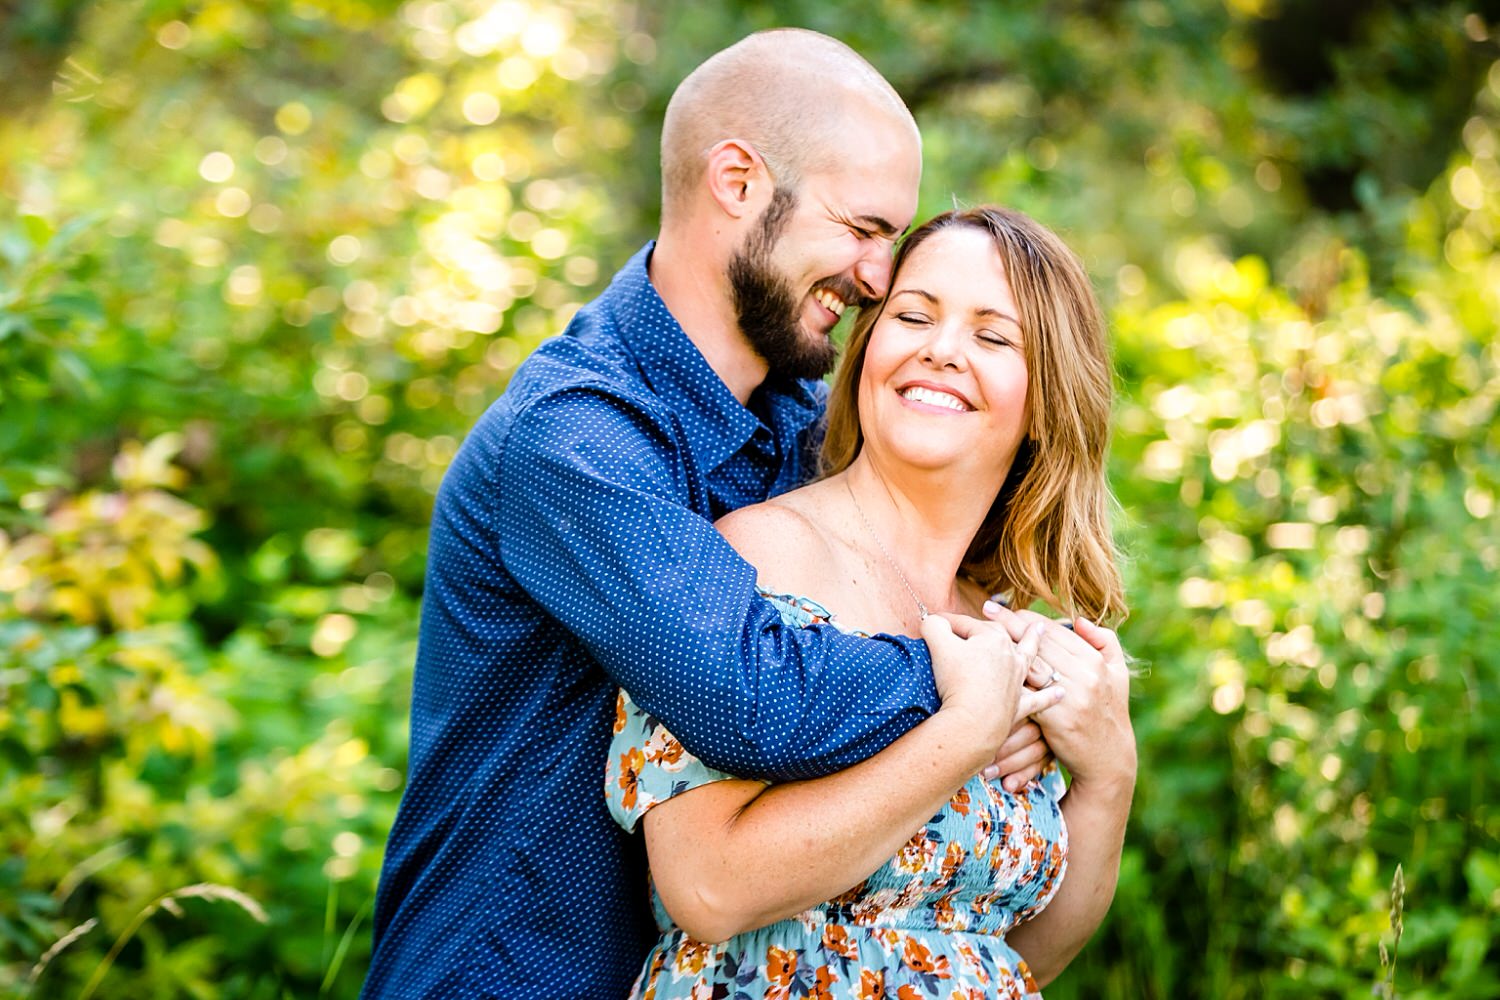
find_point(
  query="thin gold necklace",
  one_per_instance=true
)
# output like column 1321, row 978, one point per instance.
column 921, row 608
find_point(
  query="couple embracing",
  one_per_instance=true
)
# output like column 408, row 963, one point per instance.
column 687, row 606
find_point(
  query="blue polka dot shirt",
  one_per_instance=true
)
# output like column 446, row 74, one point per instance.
column 572, row 551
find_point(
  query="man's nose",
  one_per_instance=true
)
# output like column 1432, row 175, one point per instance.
column 873, row 271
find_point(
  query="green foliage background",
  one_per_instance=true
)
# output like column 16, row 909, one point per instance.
column 262, row 262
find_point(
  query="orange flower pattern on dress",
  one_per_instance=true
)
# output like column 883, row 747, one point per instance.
column 916, row 857
column 838, row 940
column 780, row 971
column 621, row 715
column 663, row 750
column 691, row 958
column 871, row 985
column 919, row 958
column 823, row 983
column 929, row 924
column 629, row 780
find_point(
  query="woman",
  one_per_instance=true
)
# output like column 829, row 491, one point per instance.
column 964, row 456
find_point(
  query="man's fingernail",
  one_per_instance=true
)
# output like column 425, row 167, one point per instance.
column 991, row 608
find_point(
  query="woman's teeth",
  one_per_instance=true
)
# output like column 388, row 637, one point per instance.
column 921, row 394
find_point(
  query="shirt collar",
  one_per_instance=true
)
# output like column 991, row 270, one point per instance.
column 716, row 424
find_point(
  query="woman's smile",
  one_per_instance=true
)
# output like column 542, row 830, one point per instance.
column 927, row 396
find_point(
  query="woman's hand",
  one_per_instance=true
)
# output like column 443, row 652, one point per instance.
column 1090, row 730
column 980, row 669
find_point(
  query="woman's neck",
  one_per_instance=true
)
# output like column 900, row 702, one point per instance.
column 919, row 524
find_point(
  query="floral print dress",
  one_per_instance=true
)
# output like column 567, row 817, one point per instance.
column 931, row 922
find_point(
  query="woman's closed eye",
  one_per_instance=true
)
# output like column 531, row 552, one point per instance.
column 995, row 339
column 914, row 318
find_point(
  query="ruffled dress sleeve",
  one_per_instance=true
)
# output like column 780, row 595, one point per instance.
column 647, row 765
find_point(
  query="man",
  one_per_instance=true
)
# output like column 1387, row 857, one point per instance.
column 572, row 549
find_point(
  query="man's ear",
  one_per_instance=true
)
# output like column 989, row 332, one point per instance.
column 738, row 180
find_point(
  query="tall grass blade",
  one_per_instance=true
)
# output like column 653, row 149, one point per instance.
column 344, row 943
column 168, row 901
column 55, row 950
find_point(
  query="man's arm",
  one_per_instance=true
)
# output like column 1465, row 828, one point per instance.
column 595, row 524
column 732, row 856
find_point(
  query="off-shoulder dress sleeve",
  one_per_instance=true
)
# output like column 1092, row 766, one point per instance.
column 647, row 765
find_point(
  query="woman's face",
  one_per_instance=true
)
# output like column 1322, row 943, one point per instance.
column 944, row 381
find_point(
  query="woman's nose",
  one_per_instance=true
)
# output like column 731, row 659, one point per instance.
column 943, row 348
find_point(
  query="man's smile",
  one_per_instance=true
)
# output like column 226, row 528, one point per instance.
column 830, row 300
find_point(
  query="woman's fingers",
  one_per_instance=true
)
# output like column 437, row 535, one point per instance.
column 1031, row 641
column 1037, row 702
column 1017, row 625
column 1014, row 622
column 1022, row 757
column 1060, row 645
column 1103, row 639
column 1038, row 673
column 1026, row 734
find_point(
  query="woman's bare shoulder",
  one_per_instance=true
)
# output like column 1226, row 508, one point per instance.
column 783, row 540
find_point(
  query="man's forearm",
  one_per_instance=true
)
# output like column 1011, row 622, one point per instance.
column 670, row 610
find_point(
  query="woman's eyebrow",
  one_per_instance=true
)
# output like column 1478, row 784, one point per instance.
column 985, row 312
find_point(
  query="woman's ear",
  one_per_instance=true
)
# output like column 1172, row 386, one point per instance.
column 738, row 180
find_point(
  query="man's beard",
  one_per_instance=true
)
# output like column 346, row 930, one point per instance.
column 767, row 306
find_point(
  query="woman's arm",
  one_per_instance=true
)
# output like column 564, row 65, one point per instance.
column 1095, row 815
column 1091, row 734
column 735, row 855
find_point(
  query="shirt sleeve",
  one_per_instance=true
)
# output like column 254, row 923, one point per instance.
column 596, row 527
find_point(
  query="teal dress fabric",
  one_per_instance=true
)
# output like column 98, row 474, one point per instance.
column 930, row 923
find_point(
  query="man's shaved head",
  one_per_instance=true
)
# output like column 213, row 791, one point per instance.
column 790, row 93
